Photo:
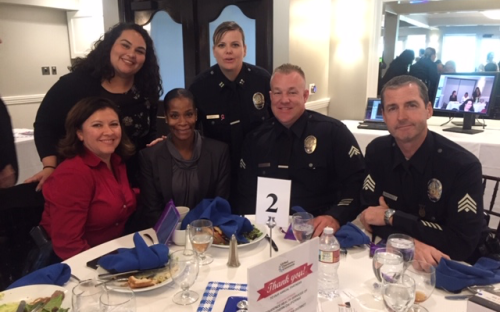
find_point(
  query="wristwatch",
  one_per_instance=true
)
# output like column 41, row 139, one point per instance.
column 387, row 216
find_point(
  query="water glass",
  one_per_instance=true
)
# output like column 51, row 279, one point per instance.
column 184, row 267
column 85, row 296
column 201, row 233
column 117, row 300
column 398, row 291
column 404, row 244
column 424, row 275
column 385, row 262
column 302, row 226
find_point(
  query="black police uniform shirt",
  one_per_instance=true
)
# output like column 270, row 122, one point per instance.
column 229, row 110
column 318, row 154
column 437, row 193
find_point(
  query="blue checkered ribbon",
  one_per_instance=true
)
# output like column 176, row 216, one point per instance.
column 208, row 299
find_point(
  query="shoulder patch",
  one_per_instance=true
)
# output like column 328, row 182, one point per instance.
column 467, row 204
column 369, row 184
column 353, row 152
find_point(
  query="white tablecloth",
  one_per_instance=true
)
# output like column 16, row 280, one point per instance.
column 355, row 274
column 27, row 157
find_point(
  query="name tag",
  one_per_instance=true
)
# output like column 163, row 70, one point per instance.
column 234, row 122
column 213, row 116
column 264, row 165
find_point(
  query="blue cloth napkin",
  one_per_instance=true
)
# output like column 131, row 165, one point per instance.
column 218, row 211
column 55, row 274
column 350, row 235
column 454, row 276
column 141, row 257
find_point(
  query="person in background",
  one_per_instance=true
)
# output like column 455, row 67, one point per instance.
column 398, row 67
column 232, row 96
column 491, row 67
column 8, row 158
column 490, row 64
column 426, row 70
column 185, row 167
column 316, row 152
column 465, row 97
column 421, row 53
column 450, row 67
column 453, row 96
column 122, row 67
column 467, row 106
column 421, row 183
column 440, row 66
column 88, row 198
column 476, row 95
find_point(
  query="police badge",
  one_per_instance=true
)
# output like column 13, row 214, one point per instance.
column 258, row 100
column 434, row 190
column 310, row 144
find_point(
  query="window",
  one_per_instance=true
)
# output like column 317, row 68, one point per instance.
column 415, row 43
column 462, row 50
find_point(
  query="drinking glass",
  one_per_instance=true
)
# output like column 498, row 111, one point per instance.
column 398, row 293
column 184, row 266
column 85, row 296
column 424, row 275
column 201, row 233
column 302, row 226
column 404, row 244
column 122, row 300
column 385, row 262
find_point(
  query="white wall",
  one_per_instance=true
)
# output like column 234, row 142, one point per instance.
column 59, row 4
column 32, row 37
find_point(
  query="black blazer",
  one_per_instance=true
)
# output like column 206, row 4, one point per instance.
column 155, row 179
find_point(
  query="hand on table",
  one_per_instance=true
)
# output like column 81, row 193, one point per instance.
column 428, row 253
column 320, row 222
column 374, row 215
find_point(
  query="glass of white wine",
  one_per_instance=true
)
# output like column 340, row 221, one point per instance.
column 201, row 233
column 302, row 226
column 424, row 275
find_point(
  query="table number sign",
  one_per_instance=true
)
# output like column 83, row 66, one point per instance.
column 287, row 282
column 273, row 200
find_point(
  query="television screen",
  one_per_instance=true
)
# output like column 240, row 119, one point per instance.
column 466, row 92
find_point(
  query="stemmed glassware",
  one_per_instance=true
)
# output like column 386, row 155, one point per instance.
column 398, row 291
column 201, row 233
column 184, row 267
column 122, row 300
column 404, row 244
column 424, row 275
column 302, row 226
column 85, row 296
column 386, row 262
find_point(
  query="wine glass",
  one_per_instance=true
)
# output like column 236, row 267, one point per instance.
column 201, row 233
column 302, row 226
column 385, row 261
column 122, row 300
column 404, row 244
column 85, row 296
column 184, row 267
column 398, row 291
column 424, row 275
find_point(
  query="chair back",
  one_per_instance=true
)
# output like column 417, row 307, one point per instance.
column 489, row 211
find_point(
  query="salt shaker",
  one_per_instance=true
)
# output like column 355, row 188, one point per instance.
column 233, row 261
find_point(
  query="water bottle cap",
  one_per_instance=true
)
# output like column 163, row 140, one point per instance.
column 328, row 230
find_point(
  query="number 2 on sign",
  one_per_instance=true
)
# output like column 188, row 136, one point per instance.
column 275, row 199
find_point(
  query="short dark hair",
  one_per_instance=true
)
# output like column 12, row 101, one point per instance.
column 287, row 69
column 70, row 146
column 175, row 94
column 225, row 27
column 429, row 52
column 147, row 80
column 399, row 81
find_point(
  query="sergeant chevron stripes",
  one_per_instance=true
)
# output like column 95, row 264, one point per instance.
column 345, row 202
column 432, row 225
column 242, row 164
column 369, row 184
column 353, row 151
column 467, row 204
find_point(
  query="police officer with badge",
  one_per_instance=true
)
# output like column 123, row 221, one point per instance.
column 420, row 183
column 317, row 153
column 232, row 96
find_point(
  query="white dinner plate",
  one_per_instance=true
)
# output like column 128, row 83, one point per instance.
column 32, row 292
column 122, row 285
column 261, row 228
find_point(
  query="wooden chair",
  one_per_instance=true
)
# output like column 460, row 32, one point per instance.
column 489, row 210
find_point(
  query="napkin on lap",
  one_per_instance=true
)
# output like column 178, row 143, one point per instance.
column 218, row 211
column 350, row 235
column 141, row 257
column 454, row 276
column 55, row 274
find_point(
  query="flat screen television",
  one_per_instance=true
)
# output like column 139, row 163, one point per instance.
column 470, row 94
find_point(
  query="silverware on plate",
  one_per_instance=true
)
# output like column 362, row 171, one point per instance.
column 458, row 297
column 114, row 276
column 21, row 306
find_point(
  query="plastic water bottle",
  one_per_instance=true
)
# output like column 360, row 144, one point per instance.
column 329, row 256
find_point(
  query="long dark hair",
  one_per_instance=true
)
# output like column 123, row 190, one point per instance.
column 70, row 146
column 147, row 80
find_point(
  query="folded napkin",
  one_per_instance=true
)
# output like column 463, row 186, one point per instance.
column 454, row 276
column 141, row 257
column 218, row 211
column 350, row 235
column 55, row 274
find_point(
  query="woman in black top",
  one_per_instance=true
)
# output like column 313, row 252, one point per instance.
column 121, row 67
column 453, row 96
column 476, row 95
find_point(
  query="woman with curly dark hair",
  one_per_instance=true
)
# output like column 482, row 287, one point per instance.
column 122, row 67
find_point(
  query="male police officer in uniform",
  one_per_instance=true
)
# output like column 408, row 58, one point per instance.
column 420, row 183
column 317, row 153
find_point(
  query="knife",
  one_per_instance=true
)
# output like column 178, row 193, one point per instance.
column 273, row 244
column 113, row 276
column 458, row 297
column 21, row 306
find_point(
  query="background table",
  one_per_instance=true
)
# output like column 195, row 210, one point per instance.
column 355, row 274
column 27, row 157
